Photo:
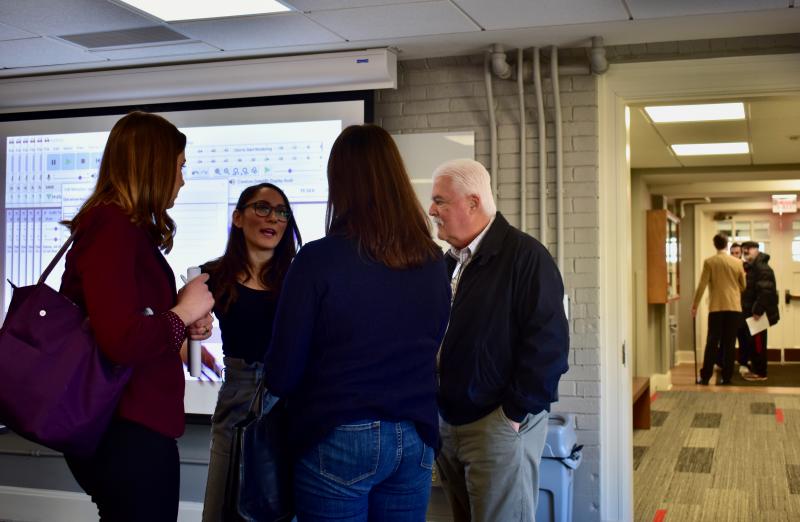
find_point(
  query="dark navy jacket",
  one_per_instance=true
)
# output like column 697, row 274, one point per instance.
column 508, row 338
column 354, row 340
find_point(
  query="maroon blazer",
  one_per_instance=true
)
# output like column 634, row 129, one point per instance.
column 116, row 274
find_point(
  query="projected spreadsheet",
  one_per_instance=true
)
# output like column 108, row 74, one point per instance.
column 48, row 177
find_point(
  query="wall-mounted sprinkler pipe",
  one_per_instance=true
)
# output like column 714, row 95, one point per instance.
column 500, row 66
column 559, row 159
column 523, row 179
column 540, row 119
column 487, row 76
column 597, row 56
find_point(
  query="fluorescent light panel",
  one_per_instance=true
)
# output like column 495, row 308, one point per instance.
column 701, row 112
column 711, row 149
column 173, row 10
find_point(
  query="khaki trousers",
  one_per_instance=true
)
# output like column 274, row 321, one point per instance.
column 489, row 471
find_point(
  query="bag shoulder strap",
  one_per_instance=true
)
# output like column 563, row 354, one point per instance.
column 56, row 259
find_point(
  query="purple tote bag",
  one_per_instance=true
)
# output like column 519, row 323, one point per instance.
column 56, row 387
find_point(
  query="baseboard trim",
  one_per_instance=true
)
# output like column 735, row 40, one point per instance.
column 684, row 356
column 46, row 505
column 660, row 382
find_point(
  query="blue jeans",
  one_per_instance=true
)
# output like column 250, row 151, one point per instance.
column 366, row 471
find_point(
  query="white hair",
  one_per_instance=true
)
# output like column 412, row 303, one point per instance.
column 471, row 178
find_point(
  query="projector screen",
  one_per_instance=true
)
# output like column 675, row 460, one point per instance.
column 51, row 168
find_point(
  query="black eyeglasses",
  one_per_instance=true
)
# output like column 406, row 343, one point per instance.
column 264, row 209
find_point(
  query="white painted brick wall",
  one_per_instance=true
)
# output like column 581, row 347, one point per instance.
column 448, row 94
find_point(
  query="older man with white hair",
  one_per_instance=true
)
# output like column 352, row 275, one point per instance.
column 503, row 354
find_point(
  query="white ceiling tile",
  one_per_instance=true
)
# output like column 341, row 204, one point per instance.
column 280, row 30
column 320, row 5
column 12, row 33
column 642, row 9
column 393, row 21
column 511, row 14
column 34, row 52
column 62, row 17
column 773, row 122
column 157, row 51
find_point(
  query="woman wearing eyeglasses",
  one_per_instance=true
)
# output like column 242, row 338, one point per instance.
column 246, row 282
column 360, row 319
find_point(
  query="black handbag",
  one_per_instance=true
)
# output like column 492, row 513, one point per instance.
column 259, row 483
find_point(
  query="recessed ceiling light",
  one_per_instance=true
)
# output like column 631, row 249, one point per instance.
column 174, row 10
column 710, row 149
column 701, row 112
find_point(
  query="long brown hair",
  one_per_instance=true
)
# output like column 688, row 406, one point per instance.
column 138, row 172
column 371, row 200
column 225, row 270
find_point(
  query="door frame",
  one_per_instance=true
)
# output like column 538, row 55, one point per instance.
column 713, row 78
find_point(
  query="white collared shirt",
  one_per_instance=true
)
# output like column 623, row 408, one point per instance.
column 464, row 255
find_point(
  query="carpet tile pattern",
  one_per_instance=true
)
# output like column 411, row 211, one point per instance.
column 724, row 457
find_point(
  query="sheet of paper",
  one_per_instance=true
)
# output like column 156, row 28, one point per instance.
column 759, row 325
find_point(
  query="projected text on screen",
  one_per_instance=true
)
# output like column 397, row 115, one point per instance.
column 48, row 177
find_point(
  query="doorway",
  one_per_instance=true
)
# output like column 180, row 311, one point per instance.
column 623, row 85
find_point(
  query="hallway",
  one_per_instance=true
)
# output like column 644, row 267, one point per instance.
column 726, row 456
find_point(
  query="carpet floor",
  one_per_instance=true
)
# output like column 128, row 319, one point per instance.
column 720, row 457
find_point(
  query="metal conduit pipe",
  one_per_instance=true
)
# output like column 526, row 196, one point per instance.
column 559, row 159
column 597, row 56
column 523, row 179
column 598, row 63
column 487, row 76
column 540, row 119
column 500, row 66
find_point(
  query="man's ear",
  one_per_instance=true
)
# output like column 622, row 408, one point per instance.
column 474, row 201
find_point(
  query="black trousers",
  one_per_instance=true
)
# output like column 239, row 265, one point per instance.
column 722, row 328
column 133, row 477
column 745, row 348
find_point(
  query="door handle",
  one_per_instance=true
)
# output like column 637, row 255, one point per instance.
column 789, row 297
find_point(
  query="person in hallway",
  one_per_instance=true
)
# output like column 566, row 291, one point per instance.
column 246, row 282
column 760, row 297
column 724, row 276
column 742, row 333
column 504, row 352
column 116, row 274
column 360, row 318
column 736, row 251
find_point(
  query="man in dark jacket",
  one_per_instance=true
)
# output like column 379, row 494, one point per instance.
column 503, row 354
column 760, row 297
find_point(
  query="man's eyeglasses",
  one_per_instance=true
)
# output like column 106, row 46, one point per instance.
column 264, row 209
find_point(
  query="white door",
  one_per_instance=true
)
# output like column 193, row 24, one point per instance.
column 778, row 236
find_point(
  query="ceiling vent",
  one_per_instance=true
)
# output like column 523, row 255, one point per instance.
column 141, row 36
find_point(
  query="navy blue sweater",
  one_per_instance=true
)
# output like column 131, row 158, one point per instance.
column 355, row 340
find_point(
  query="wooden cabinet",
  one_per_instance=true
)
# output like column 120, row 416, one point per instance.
column 663, row 256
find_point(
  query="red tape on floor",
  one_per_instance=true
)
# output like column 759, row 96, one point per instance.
column 661, row 514
column 653, row 398
column 779, row 415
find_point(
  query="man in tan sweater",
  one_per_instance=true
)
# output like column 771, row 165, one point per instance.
column 725, row 278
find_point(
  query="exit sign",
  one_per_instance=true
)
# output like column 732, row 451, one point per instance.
column 784, row 204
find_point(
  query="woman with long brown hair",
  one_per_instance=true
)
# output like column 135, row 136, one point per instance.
column 354, row 344
column 246, row 282
column 116, row 273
